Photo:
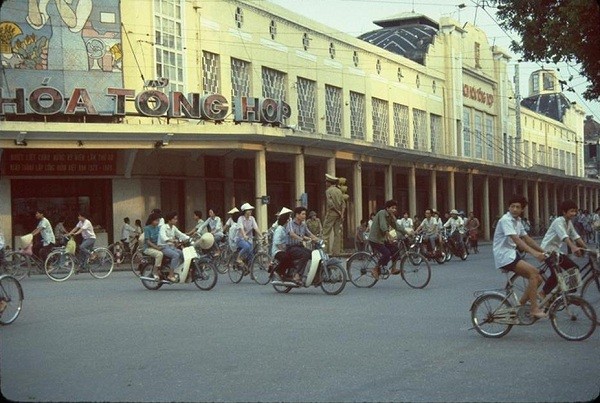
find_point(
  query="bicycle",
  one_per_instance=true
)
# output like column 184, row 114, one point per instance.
column 495, row 312
column 590, row 275
column 133, row 255
column 438, row 253
column 257, row 268
column 11, row 299
column 414, row 267
column 20, row 263
column 60, row 264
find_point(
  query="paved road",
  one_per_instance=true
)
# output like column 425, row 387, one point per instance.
column 113, row 340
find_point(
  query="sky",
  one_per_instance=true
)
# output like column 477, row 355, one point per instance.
column 355, row 17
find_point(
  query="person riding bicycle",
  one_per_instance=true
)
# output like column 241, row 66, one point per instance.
column 213, row 225
column 168, row 237
column 198, row 229
column 231, row 220
column 381, row 239
column 431, row 229
column 2, row 247
column 509, row 235
column 150, row 246
column 128, row 232
column 298, row 232
column 456, row 225
column 86, row 229
column 44, row 228
column 247, row 224
column 562, row 231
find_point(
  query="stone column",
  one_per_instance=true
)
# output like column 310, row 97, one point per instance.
column 470, row 192
column 412, row 191
column 546, row 204
column 452, row 192
column 585, row 198
column 486, row 208
column 433, row 189
column 228, row 188
column 260, row 173
column 357, row 197
column 389, row 182
column 331, row 166
column 501, row 206
column 554, row 206
column 536, row 202
column 526, row 195
column 299, row 177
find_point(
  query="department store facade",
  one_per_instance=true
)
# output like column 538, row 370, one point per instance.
column 190, row 105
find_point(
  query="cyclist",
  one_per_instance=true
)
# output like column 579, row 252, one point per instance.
column 562, row 230
column 231, row 219
column 430, row 226
column 2, row 247
column 380, row 239
column 86, row 229
column 127, row 233
column 198, row 229
column 297, row 233
column 44, row 228
column 213, row 224
column 247, row 224
column 456, row 225
column 509, row 235
column 168, row 236
column 150, row 246
column 60, row 231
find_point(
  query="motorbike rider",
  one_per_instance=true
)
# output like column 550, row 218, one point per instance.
column 297, row 233
column 430, row 226
column 150, row 246
column 456, row 225
column 168, row 237
column 382, row 238
column 279, row 250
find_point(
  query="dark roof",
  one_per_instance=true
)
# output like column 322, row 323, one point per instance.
column 550, row 105
column 408, row 35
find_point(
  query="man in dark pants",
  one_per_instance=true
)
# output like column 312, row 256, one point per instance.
column 298, row 231
column 381, row 238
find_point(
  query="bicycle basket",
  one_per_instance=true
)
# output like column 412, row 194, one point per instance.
column 71, row 246
column 569, row 280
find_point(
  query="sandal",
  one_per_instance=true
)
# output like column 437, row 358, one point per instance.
column 172, row 279
column 539, row 314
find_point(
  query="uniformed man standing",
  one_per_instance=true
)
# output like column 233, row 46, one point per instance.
column 333, row 216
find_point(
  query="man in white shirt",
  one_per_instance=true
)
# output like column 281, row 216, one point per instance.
column 509, row 235
column 430, row 226
column 168, row 235
column 127, row 232
column 86, row 229
column 562, row 230
column 456, row 225
column 405, row 221
column 44, row 228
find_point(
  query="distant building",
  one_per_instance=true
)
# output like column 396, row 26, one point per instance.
column 591, row 130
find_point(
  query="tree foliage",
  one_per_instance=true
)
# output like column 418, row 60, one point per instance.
column 557, row 31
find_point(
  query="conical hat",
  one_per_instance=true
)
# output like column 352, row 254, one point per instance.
column 26, row 240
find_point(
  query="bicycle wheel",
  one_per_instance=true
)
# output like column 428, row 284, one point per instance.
column 260, row 268
column 101, row 263
column 591, row 293
column 489, row 313
column 136, row 260
column 282, row 289
column 204, row 274
column 146, row 271
column 223, row 258
column 59, row 265
column 11, row 299
column 235, row 270
column 572, row 317
column 447, row 253
column 415, row 275
column 360, row 269
column 17, row 265
column 333, row 278
column 438, row 255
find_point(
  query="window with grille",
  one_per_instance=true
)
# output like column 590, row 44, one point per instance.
column 240, row 78
column 420, row 130
column 489, row 142
column 357, row 115
column 437, row 139
column 210, row 73
column 401, row 126
column 168, row 42
column 333, row 110
column 273, row 84
column 478, row 135
column 543, row 159
column 556, row 161
column 467, row 132
column 534, row 153
column 307, row 109
column 381, row 119
column 562, row 160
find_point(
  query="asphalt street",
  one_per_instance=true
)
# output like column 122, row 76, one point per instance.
column 113, row 340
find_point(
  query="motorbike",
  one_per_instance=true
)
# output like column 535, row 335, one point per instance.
column 326, row 272
column 438, row 253
column 457, row 249
column 197, row 268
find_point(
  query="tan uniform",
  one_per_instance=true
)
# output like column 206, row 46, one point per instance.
column 333, row 220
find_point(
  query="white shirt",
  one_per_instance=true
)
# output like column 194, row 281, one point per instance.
column 559, row 231
column 127, row 232
column 405, row 222
column 214, row 224
column 455, row 224
column 279, row 238
column 233, row 230
column 167, row 235
column 504, row 248
column 87, row 230
column 430, row 226
column 200, row 227
column 46, row 232
column 2, row 241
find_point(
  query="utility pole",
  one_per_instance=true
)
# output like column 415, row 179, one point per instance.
column 518, row 117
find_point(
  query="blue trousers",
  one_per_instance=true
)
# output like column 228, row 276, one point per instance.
column 246, row 247
column 176, row 255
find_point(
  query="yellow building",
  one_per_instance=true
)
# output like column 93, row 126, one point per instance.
column 189, row 105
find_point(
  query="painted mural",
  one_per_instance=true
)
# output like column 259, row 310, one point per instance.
column 61, row 43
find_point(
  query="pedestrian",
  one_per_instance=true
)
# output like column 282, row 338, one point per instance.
column 360, row 235
column 333, row 217
column 314, row 224
column 472, row 226
column 44, row 228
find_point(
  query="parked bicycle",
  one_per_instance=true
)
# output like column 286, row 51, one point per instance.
column 61, row 264
column 495, row 312
column 11, row 299
column 413, row 266
column 257, row 268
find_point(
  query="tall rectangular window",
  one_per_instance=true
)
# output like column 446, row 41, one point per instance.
column 467, row 132
column 526, row 156
column 506, row 149
column 543, row 156
column 381, row 119
column 274, row 85
column 307, row 108
column 489, row 142
column 240, row 78
column 478, row 135
column 437, row 140
column 357, row 115
column 211, row 75
column 562, row 160
column 420, row 129
column 168, row 42
column 333, row 110
column 534, row 153
column 556, row 160
column 401, row 126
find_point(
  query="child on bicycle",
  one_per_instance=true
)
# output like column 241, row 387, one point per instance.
column 380, row 238
column 562, row 231
column 509, row 235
